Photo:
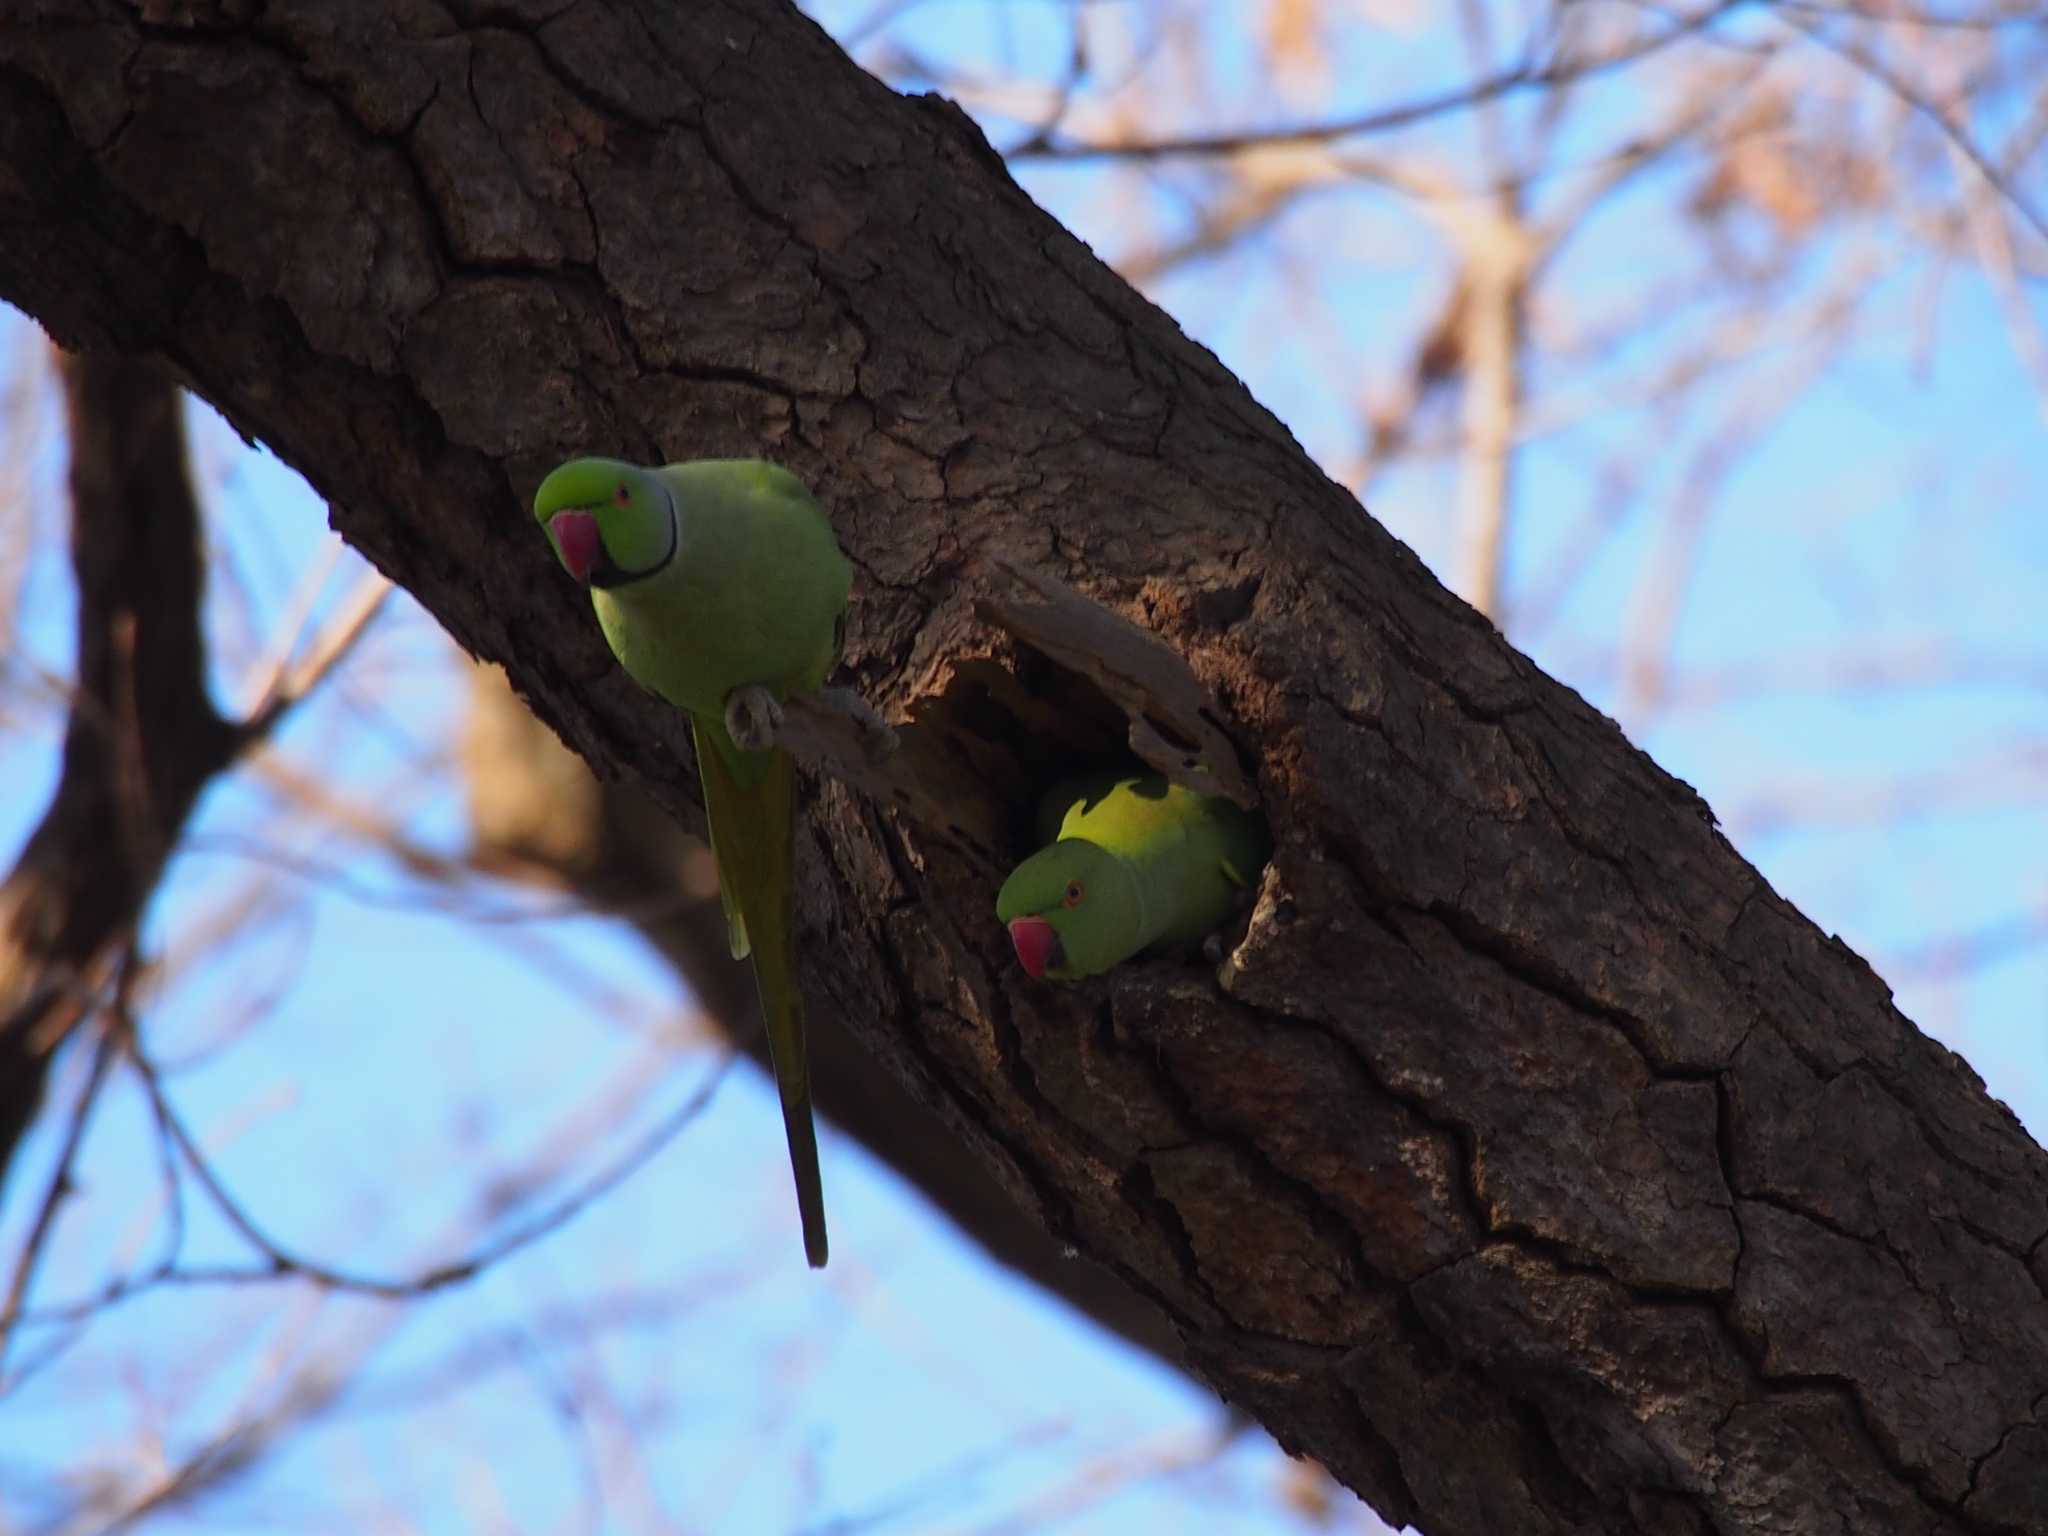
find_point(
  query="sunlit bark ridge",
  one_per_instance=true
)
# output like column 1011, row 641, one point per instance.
column 1527, row 1160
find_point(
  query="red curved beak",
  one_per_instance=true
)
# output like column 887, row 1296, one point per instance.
column 576, row 536
column 1037, row 944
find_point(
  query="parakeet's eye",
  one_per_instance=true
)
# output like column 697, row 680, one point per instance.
column 622, row 496
column 1075, row 891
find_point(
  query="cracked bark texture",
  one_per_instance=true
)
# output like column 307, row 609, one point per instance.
column 1529, row 1161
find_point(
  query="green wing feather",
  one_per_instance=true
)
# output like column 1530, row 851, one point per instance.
column 750, row 802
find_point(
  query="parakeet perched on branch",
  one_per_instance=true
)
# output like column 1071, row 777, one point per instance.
column 720, row 586
column 1128, row 862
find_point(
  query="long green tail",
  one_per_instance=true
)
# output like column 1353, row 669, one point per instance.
column 750, row 802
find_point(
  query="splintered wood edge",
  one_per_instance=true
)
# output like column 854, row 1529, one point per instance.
column 1172, row 715
column 1171, row 720
column 899, row 766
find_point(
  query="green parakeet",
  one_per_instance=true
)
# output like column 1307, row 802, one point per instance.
column 1129, row 862
column 710, row 578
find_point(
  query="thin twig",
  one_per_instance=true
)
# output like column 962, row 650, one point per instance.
column 289, row 685
column 1124, row 1467
column 291, row 626
column 58, row 1187
column 1912, row 96
column 284, row 1264
column 1521, row 77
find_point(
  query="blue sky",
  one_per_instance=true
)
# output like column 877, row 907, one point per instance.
column 369, row 1048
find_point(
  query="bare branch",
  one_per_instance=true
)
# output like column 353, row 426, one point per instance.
column 143, row 735
column 281, row 685
column 54, row 1193
column 284, row 1263
column 1912, row 96
column 1522, row 77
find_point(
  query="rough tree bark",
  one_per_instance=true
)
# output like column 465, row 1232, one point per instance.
column 1529, row 1160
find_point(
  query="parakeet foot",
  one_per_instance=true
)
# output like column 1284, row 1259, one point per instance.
column 753, row 718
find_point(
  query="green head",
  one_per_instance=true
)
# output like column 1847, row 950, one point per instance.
column 1073, row 910
column 610, row 522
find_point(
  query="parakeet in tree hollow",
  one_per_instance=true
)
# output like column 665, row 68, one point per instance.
column 1128, row 862
column 720, row 586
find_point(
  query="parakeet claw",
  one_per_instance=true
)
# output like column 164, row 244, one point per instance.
column 753, row 718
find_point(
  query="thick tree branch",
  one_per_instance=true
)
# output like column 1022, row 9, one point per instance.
column 1529, row 1160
